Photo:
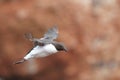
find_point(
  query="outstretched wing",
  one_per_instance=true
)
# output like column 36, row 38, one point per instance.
column 50, row 35
column 30, row 37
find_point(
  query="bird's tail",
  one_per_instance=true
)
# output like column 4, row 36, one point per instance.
column 20, row 61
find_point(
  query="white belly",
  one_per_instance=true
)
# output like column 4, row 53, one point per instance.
column 40, row 51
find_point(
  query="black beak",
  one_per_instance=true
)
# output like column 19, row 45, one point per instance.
column 65, row 49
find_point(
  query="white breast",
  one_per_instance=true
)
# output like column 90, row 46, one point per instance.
column 40, row 51
column 50, row 48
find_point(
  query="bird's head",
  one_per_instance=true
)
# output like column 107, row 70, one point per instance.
column 60, row 47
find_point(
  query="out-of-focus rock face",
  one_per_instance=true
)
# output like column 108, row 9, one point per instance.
column 89, row 28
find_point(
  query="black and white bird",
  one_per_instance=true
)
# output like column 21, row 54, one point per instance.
column 44, row 46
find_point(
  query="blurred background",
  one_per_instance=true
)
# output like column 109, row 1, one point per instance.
column 89, row 28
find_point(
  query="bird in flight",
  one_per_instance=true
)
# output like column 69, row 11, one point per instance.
column 43, row 46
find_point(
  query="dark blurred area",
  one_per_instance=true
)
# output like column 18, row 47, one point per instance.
column 89, row 28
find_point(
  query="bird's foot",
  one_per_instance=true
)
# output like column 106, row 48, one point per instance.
column 20, row 61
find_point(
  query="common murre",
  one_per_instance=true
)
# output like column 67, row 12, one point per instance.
column 44, row 46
